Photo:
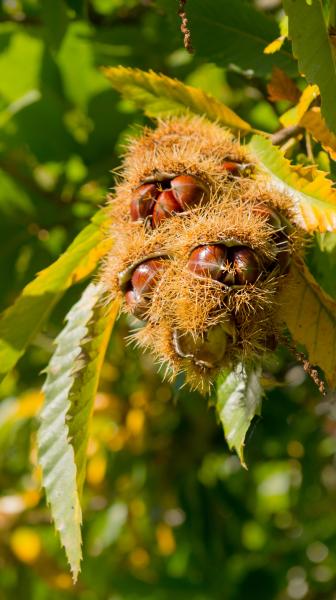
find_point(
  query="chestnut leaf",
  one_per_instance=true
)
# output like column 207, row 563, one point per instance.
column 239, row 395
column 310, row 315
column 315, row 124
column 20, row 323
column 235, row 33
column 314, row 198
column 70, row 388
column 85, row 386
column 309, row 34
column 161, row 96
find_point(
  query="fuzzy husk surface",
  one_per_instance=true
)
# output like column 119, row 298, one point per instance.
column 181, row 301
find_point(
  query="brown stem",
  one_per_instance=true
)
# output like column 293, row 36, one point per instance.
column 285, row 134
column 184, row 26
column 307, row 367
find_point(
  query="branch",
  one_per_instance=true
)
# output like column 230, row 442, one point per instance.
column 281, row 136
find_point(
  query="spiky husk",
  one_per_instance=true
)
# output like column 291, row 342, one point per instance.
column 181, row 301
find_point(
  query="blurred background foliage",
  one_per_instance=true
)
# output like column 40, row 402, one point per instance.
column 168, row 511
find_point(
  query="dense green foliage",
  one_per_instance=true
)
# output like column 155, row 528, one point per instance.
column 168, row 510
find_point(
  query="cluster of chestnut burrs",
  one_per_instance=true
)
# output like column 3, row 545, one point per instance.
column 229, row 263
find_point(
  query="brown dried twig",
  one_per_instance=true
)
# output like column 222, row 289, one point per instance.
column 281, row 136
column 307, row 367
column 184, row 26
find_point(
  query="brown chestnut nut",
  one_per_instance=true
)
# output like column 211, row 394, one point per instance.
column 236, row 168
column 206, row 351
column 208, row 261
column 142, row 202
column 188, row 191
column 141, row 285
column 165, row 206
column 231, row 166
column 246, row 265
column 135, row 303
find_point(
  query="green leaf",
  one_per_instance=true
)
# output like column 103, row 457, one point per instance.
column 21, row 322
column 239, row 395
column 85, row 386
column 20, row 60
column 20, row 104
column 235, row 33
column 310, row 315
column 55, row 21
column 56, row 453
column 314, row 197
column 312, row 47
column 161, row 96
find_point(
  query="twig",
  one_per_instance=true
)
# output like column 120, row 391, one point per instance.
column 307, row 367
column 285, row 134
column 309, row 147
column 184, row 26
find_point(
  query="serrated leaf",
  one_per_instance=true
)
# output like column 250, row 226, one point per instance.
column 56, row 453
column 160, row 96
column 235, row 33
column 282, row 87
column 239, row 395
column 312, row 47
column 21, row 322
column 294, row 115
column 310, row 315
column 314, row 123
column 85, row 386
column 314, row 197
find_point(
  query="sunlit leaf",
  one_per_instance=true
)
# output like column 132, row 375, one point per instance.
column 159, row 96
column 239, row 395
column 56, row 453
column 312, row 47
column 314, row 123
column 86, row 383
column 282, row 87
column 310, row 315
column 279, row 41
column 21, row 322
column 275, row 45
column 314, row 198
column 294, row 115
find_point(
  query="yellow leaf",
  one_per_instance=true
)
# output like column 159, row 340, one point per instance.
column 314, row 123
column 275, row 45
column 282, row 87
column 294, row 115
column 314, row 198
column 20, row 323
column 89, row 263
column 161, row 96
column 278, row 42
column 310, row 315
